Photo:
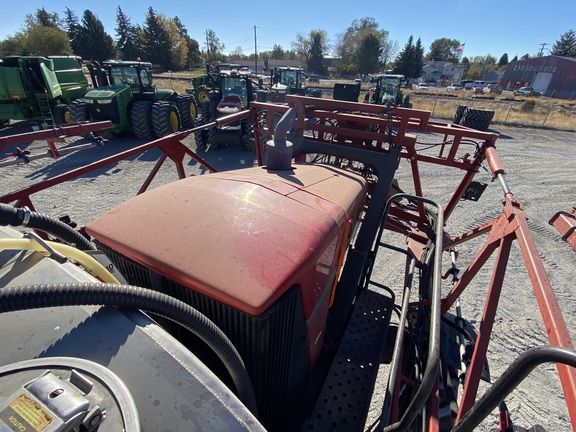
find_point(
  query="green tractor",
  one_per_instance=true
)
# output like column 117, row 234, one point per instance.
column 233, row 91
column 125, row 94
column 289, row 80
column 40, row 88
column 388, row 87
column 202, row 85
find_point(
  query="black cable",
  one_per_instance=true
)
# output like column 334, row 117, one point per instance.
column 13, row 216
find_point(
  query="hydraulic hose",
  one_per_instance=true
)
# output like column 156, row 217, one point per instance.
column 10, row 215
column 127, row 296
column 87, row 261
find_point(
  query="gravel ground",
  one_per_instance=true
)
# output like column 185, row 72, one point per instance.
column 540, row 171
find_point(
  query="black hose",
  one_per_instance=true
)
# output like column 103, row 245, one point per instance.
column 127, row 296
column 13, row 216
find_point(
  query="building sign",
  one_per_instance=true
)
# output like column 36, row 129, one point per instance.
column 534, row 68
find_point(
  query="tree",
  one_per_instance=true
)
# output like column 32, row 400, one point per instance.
column 304, row 43
column 192, row 46
column 349, row 43
column 503, row 60
column 315, row 63
column 156, row 40
column 93, row 42
column 43, row 18
column 566, row 45
column 127, row 37
column 41, row 40
column 236, row 54
column 368, row 54
column 515, row 58
column 410, row 60
column 277, row 52
column 444, row 49
column 41, row 36
column 214, row 47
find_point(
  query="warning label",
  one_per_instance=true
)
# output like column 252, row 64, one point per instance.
column 22, row 415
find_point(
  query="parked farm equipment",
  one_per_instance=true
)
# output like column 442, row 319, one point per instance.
column 388, row 87
column 287, row 81
column 273, row 292
column 124, row 93
column 233, row 91
column 52, row 137
column 40, row 88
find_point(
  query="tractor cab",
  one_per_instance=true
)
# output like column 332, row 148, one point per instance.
column 387, row 88
column 288, row 80
column 112, row 72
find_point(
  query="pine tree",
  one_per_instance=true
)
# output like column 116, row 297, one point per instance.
column 315, row 61
column 368, row 54
column 74, row 30
column 128, row 39
column 503, row 60
column 156, row 41
column 93, row 41
column 410, row 60
column 566, row 46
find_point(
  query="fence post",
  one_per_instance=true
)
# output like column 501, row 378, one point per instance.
column 546, row 118
column 508, row 113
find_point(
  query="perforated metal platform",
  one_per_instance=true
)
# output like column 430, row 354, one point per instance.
column 345, row 397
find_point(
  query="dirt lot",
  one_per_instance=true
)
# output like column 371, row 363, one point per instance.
column 540, row 171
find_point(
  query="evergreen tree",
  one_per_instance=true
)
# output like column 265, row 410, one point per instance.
column 315, row 63
column 566, row 46
column 74, row 30
column 515, row 58
column 277, row 52
column 93, row 43
column 368, row 54
column 349, row 43
column 410, row 61
column 503, row 60
column 43, row 18
column 128, row 39
column 156, row 41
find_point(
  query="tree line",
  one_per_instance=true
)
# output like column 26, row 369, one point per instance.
column 363, row 48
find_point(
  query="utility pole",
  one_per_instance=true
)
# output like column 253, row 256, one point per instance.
column 541, row 52
column 207, row 49
column 255, row 53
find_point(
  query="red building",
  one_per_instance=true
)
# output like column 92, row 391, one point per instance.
column 552, row 76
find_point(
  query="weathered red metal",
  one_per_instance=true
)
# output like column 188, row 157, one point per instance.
column 354, row 124
column 79, row 129
column 565, row 223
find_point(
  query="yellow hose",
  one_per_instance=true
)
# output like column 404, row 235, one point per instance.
column 88, row 262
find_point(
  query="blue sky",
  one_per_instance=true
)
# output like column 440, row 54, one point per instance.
column 488, row 27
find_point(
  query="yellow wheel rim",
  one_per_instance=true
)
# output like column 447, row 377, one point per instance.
column 202, row 96
column 174, row 121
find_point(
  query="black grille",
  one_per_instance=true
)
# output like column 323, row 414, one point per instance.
column 272, row 345
column 109, row 111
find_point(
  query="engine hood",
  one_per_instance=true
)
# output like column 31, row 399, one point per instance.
column 242, row 237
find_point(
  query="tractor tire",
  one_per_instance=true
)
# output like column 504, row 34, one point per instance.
column 210, row 134
column 478, row 119
column 61, row 114
column 78, row 111
column 459, row 113
column 202, row 95
column 186, row 105
column 141, row 119
column 165, row 118
column 211, row 139
column 199, row 136
column 247, row 136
